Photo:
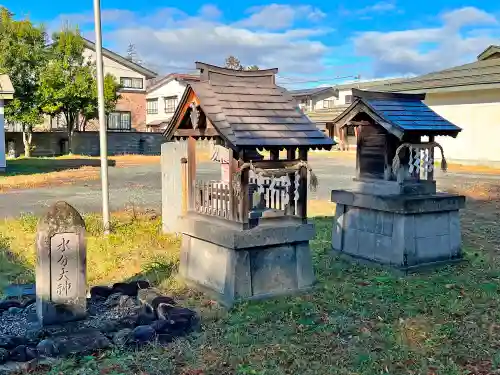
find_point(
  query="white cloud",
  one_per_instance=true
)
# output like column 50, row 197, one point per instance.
column 168, row 39
column 377, row 8
column 279, row 16
column 468, row 16
column 423, row 50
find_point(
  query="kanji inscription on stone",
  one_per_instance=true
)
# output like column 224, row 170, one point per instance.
column 63, row 264
column 61, row 271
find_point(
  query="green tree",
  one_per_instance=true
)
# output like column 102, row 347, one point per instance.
column 68, row 83
column 234, row 63
column 22, row 56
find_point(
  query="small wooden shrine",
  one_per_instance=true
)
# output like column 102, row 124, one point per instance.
column 246, row 234
column 394, row 214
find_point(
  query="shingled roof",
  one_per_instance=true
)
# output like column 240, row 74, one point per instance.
column 248, row 109
column 398, row 113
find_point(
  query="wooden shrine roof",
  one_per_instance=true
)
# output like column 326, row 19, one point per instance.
column 398, row 113
column 248, row 109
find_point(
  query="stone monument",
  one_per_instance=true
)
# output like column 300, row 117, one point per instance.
column 61, row 270
column 394, row 214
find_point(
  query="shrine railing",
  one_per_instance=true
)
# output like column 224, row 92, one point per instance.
column 420, row 161
column 274, row 193
column 212, row 198
column 255, row 193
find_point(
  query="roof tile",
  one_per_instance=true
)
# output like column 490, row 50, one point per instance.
column 248, row 112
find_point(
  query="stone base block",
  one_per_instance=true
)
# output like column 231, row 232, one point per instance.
column 234, row 265
column 405, row 232
column 382, row 187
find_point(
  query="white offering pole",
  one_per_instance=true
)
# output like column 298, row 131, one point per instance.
column 102, row 118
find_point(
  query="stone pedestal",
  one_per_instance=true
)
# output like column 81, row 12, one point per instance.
column 407, row 232
column 234, row 264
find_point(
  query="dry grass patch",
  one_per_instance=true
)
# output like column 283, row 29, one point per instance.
column 357, row 320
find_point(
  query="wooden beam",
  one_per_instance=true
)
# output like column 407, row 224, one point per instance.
column 208, row 132
column 274, row 164
column 185, row 184
column 302, row 202
column 274, row 154
column 360, row 123
column 191, row 159
column 430, row 175
column 290, row 209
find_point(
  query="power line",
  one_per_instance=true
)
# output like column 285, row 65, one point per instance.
column 294, row 81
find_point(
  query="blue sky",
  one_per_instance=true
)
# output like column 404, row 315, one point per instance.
column 311, row 43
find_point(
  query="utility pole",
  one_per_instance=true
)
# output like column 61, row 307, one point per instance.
column 102, row 118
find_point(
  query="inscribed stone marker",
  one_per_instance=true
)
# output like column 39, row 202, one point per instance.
column 61, row 272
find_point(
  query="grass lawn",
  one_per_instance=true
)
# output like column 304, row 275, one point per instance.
column 357, row 320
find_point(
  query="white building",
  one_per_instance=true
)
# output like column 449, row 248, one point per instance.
column 6, row 93
column 163, row 97
column 468, row 96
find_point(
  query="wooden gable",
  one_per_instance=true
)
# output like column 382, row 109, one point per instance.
column 190, row 119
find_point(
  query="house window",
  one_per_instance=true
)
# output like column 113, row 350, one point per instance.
column 170, row 104
column 120, row 121
column 348, row 99
column 327, row 103
column 152, row 106
column 131, row 83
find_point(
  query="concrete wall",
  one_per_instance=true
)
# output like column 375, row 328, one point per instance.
column 2, row 137
column 172, row 88
column 478, row 114
column 87, row 143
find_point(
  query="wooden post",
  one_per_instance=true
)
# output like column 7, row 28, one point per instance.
column 184, row 182
column 302, row 202
column 244, row 203
column 430, row 175
column 274, row 154
column 233, row 166
column 191, row 159
column 359, row 147
column 290, row 209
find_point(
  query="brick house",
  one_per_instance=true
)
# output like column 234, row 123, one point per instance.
column 130, row 111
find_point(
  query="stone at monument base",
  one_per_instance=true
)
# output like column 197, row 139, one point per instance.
column 234, row 264
column 407, row 232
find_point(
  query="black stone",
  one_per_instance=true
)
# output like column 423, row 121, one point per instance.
column 35, row 335
column 123, row 337
column 82, row 342
column 23, row 353
column 174, row 313
column 129, row 289
column 143, row 334
column 27, row 303
column 162, row 299
column 146, row 316
column 127, row 322
column 107, row 326
column 15, row 310
column 165, row 338
column 143, row 284
column 10, row 342
column 7, row 304
column 48, row 348
column 161, row 326
column 100, row 292
column 4, row 356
